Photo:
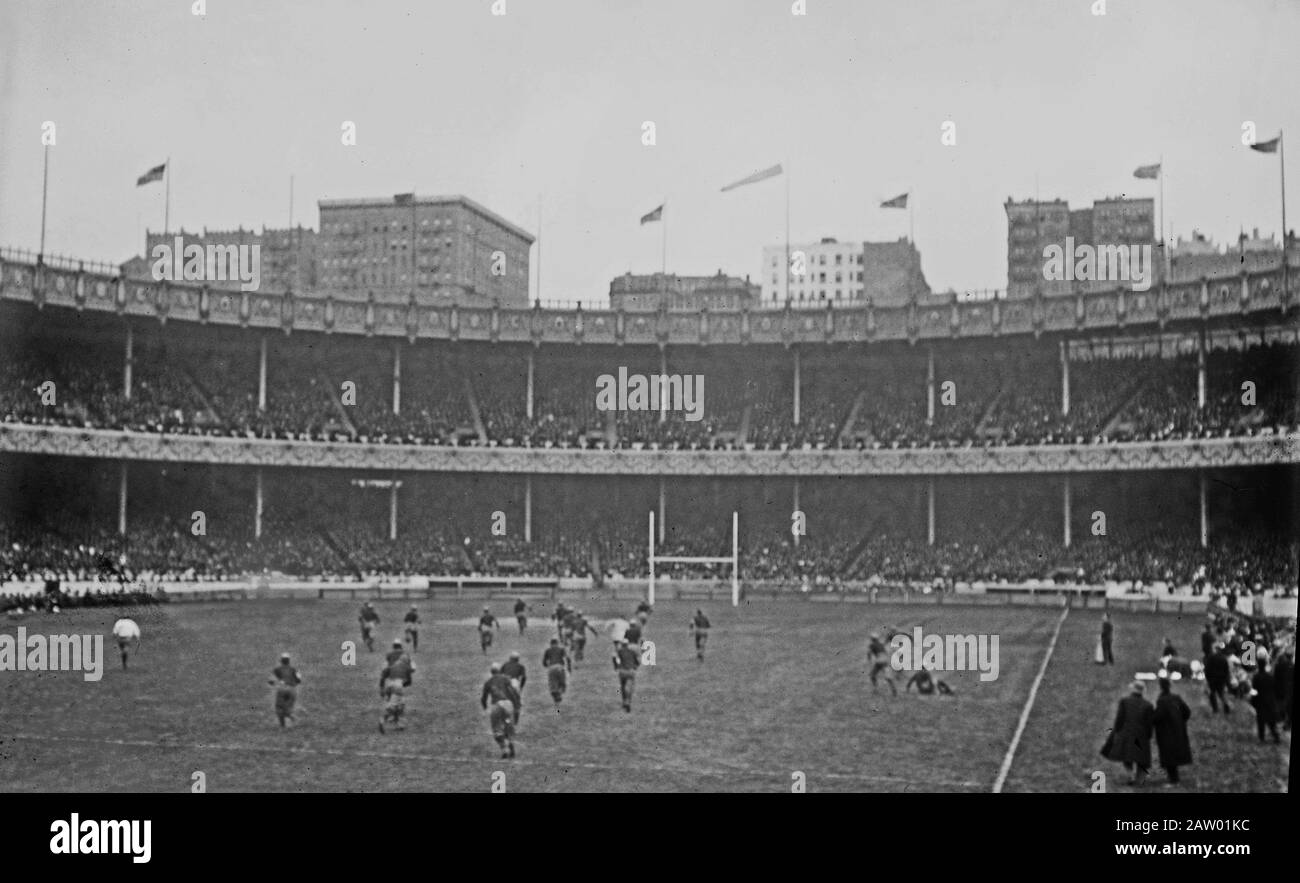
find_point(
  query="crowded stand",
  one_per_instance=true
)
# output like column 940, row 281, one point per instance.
column 328, row 524
column 1239, row 566
column 205, row 381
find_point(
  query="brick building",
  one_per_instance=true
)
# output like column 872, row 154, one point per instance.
column 440, row 248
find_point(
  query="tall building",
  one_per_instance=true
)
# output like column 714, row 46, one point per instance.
column 883, row 273
column 832, row 271
column 288, row 256
column 441, row 248
column 655, row 290
column 1033, row 225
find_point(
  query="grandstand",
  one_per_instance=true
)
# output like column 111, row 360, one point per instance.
column 967, row 445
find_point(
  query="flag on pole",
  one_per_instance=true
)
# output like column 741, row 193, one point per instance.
column 755, row 178
column 1152, row 171
column 1267, row 146
column 656, row 215
column 154, row 174
column 896, row 202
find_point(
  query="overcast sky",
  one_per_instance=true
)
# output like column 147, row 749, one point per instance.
column 548, row 102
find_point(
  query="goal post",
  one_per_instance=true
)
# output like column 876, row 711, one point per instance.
column 733, row 560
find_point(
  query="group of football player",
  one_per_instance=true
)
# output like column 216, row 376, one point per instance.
column 502, row 693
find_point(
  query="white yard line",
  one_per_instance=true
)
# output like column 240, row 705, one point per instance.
column 1029, row 705
column 782, row 777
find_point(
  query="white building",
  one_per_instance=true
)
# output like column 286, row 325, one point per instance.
column 831, row 271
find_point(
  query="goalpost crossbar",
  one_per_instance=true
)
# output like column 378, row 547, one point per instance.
column 733, row 560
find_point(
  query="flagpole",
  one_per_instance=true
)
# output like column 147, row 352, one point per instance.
column 45, row 192
column 787, row 231
column 1164, row 239
column 167, row 208
column 539, row 248
column 296, row 240
column 1286, row 271
column 664, row 240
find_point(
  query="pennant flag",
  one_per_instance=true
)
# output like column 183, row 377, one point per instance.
column 1152, row 171
column 656, row 215
column 1267, row 146
column 896, row 202
column 755, row 178
column 154, row 174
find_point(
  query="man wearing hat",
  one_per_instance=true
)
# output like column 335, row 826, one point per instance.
column 1218, row 671
column 1129, row 742
column 285, row 678
column 1264, row 697
column 1170, row 722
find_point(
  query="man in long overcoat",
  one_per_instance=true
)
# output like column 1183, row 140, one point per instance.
column 1130, row 738
column 1170, row 721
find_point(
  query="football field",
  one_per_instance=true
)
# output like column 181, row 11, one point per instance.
column 783, row 691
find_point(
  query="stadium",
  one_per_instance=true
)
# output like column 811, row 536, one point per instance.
column 241, row 469
column 796, row 397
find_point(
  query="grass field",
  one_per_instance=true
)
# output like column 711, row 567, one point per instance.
column 783, row 689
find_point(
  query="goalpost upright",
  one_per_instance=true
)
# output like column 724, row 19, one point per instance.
column 733, row 560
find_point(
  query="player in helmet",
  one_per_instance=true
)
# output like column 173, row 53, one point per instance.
column 878, row 655
column 286, row 679
column 486, row 623
column 369, row 618
column 504, row 700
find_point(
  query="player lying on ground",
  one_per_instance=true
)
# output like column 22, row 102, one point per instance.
column 927, row 685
